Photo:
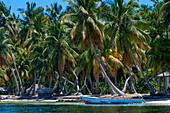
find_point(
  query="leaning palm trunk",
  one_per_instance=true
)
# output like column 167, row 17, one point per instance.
column 113, row 88
column 22, row 90
column 126, row 82
column 33, row 92
column 77, row 82
column 85, row 85
column 102, row 64
column 132, row 86
column 28, row 93
column 57, row 81
column 152, row 92
column 15, row 78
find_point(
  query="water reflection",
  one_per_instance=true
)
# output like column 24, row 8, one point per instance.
column 79, row 108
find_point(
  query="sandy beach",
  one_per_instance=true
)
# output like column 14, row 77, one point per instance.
column 55, row 99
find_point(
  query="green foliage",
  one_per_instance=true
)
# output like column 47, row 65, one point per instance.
column 159, row 53
column 60, row 40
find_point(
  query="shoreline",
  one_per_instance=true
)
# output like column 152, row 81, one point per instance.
column 76, row 99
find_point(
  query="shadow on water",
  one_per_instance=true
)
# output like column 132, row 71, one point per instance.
column 80, row 108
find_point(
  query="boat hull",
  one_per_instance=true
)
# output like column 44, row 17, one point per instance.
column 94, row 100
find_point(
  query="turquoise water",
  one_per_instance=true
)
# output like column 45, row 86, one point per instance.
column 7, row 107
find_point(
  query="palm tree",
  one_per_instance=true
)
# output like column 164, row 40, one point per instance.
column 54, row 12
column 5, row 50
column 33, row 22
column 164, row 13
column 12, row 23
column 57, row 49
column 128, row 34
column 87, row 29
column 5, row 11
column 3, row 76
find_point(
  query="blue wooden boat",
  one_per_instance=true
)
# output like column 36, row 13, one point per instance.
column 95, row 100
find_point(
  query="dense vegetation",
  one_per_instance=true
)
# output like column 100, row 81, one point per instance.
column 91, row 47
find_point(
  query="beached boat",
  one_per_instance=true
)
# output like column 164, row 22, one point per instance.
column 96, row 100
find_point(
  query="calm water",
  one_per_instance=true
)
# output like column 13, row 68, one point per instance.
column 6, row 107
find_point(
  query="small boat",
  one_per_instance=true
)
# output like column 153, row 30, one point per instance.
column 95, row 100
column 44, row 92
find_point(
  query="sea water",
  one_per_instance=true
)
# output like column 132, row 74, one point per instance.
column 30, row 107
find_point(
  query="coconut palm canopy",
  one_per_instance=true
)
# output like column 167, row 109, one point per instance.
column 90, row 47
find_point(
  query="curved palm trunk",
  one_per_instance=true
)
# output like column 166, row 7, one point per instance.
column 111, row 85
column 28, row 93
column 15, row 78
column 132, row 86
column 85, row 85
column 102, row 64
column 152, row 92
column 57, row 81
column 126, row 82
column 77, row 82
column 22, row 91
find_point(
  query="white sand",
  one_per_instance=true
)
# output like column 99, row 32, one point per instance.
column 161, row 101
column 165, row 101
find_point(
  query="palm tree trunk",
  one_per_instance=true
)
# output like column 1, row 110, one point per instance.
column 152, row 92
column 39, row 82
column 97, row 84
column 126, row 82
column 132, row 86
column 72, row 89
column 65, row 89
column 102, row 63
column 28, row 93
column 33, row 92
column 100, row 57
column 20, row 82
column 103, row 90
column 111, row 85
column 85, row 85
column 91, row 84
column 15, row 78
column 77, row 82
column 57, row 81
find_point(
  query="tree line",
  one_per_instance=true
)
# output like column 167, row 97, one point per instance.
column 90, row 47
